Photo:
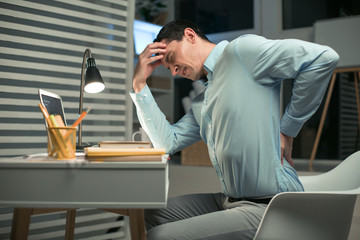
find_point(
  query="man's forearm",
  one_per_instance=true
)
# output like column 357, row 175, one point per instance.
column 308, row 91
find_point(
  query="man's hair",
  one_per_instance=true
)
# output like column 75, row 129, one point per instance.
column 174, row 30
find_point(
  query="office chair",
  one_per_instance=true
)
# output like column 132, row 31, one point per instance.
column 323, row 212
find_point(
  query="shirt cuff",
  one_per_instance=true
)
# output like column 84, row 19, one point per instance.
column 290, row 126
column 143, row 97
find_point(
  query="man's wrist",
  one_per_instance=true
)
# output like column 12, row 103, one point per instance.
column 138, row 87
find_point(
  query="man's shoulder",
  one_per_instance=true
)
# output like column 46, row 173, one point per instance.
column 247, row 38
column 247, row 43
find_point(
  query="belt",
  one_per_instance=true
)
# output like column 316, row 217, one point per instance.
column 254, row 200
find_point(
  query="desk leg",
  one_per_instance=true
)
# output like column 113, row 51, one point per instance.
column 70, row 224
column 137, row 224
column 20, row 223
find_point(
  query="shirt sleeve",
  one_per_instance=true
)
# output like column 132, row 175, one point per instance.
column 161, row 133
column 310, row 66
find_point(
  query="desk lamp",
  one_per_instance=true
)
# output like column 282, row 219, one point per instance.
column 92, row 83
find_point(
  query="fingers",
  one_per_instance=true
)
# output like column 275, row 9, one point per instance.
column 157, row 62
column 283, row 147
column 290, row 161
column 153, row 52
column 148, row 60
column 288, row 158
column 286, row 148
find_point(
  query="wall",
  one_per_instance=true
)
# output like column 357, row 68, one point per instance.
column 268, row 23
column 271, row 23
column 343, row 35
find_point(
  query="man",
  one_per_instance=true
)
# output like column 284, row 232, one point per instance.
column 238, row 116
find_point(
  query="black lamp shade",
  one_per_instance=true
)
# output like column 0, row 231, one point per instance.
column 93, row 80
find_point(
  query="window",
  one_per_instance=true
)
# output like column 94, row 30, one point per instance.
column 304, row 13
column 217, row 16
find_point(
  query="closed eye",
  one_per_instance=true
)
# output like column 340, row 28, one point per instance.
column 170, row 57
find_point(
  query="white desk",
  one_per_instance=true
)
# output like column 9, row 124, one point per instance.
column 37, row 182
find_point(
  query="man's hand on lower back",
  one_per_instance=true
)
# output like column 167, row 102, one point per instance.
column 286, row 148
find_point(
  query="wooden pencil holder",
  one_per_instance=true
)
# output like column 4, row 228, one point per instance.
column 61, row 142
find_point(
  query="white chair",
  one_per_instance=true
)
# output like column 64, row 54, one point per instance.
column 323, row 212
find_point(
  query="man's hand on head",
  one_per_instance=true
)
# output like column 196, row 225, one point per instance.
column 286, row 148
column 148, row 60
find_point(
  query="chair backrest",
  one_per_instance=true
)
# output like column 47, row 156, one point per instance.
column 310, row 216
column 345, row 176
column 323, row 211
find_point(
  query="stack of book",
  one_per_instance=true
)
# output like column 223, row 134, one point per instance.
column 115, row 151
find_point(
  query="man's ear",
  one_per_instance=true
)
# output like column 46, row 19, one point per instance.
column 190, row 35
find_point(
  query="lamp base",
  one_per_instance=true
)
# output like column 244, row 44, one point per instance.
column 80, row 148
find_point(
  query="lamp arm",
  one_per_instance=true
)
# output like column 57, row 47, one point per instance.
column 87, row 54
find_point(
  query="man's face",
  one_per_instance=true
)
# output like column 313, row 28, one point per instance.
column 181, row 59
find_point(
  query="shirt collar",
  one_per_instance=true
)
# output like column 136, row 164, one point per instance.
column 213, row 57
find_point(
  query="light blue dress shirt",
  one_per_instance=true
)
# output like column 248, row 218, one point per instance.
column 238, row 115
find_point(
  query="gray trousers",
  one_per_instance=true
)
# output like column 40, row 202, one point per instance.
column 204, row 216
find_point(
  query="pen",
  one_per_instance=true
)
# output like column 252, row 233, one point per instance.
column 81, row 117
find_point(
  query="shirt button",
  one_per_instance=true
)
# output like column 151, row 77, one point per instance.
column 145, row 95
column 140, row 99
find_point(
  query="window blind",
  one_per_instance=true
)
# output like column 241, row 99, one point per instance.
column 90, row 224
column 42, row 43
column 41, row 46
column 348, row 118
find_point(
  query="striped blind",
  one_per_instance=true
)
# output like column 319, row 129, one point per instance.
column 41, row 46
column 348, row 119
column 90, row 224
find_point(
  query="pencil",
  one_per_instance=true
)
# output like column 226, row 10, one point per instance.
column 60, row 142
column 46, row 114
column 77, row 122
column 81, row 117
